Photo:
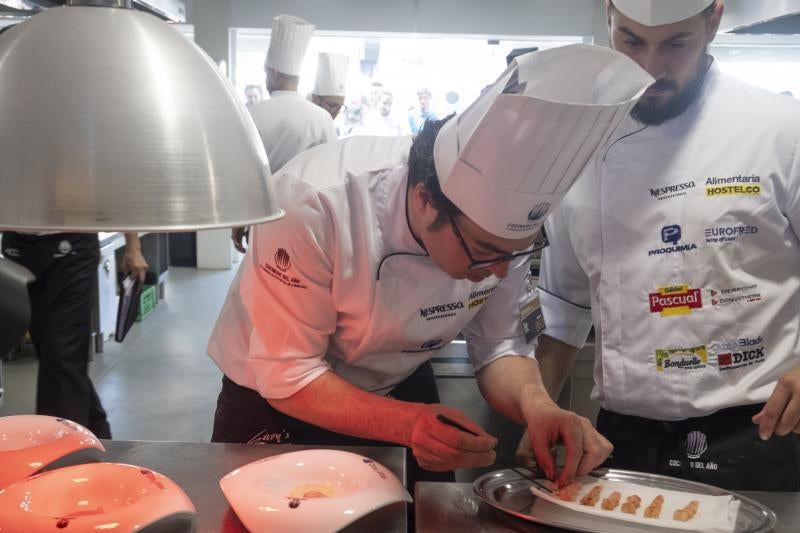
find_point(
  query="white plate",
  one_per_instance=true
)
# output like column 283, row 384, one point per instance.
column 508, row 492
column 716, row 514
column 29, row 443
column 96, row 497
column 267, row 494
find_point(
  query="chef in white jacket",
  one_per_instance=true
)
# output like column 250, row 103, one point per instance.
column 389, row 249
column 679, row 244
column 330, row 87
column 287, row 122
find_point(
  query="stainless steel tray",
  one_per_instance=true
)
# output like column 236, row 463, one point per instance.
column 507, row 491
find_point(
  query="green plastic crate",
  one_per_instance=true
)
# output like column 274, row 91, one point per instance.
column 147, row 302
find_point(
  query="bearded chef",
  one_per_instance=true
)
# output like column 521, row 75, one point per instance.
column 679, row 244
column 390, row 248
column 287, row 122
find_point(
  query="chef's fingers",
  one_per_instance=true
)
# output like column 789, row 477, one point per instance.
column 541, row 450
column 596, row 448
column 436, row 456
column 524, row 453
column 772, row 411
column 790, row 417
column 460, row 440
column 572, row 438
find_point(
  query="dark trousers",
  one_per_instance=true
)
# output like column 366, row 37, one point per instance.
column 65, row 266
column 721, row 449
column 243, row 415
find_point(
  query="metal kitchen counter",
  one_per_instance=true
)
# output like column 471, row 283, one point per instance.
column 445, row 507
column 198, row 467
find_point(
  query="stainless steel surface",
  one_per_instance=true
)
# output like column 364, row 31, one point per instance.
column 112, row 120
column 742, row 13
column 445, row 507
column 198, row 467
column 100, row 3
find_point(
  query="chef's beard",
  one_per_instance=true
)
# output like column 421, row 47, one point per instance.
column 655, row 114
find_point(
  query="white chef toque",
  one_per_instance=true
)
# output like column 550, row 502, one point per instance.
column 510, row 157
column 288, row 43
column 659, row 12
column 331, row 74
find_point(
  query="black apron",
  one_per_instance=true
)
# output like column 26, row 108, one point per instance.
column 65, row 266
column 721, row 449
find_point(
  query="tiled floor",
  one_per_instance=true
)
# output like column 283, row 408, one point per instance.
column 158, row 384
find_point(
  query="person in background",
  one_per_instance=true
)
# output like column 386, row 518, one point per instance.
column 374, row 95
column 383, row 121
column 679, row 244
column 287, row 122
column 390, row 248
column 253, row 94
column 62, row 296
column 330, row 86
column 418, row 116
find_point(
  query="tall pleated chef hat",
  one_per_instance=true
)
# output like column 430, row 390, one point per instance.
column 510, row 157
column 331, row 74
column 659, row 12
column 288, row 43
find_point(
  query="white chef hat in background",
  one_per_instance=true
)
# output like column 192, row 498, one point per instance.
column 331, row 74
column 659, row 12
column 288, row 43
column 510, row 157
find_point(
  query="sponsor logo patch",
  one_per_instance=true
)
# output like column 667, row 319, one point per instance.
column 739, row 353
column 733, row 186
column 681, row 359
column 671, row 235
column 427, row 346
column 538, row 212
column 283, row 263
column 722, row 234
column 479, row 297
column 735, row 295
column 672, row 191
column 441, row 311
column 675, row 300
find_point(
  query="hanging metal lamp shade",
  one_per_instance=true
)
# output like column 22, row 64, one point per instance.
column 112, row 120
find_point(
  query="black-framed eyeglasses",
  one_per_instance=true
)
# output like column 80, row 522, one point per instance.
column 540, row 243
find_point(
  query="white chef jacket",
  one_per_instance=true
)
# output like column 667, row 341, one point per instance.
column 290, row 124
column 340, row 283
column 679, row 243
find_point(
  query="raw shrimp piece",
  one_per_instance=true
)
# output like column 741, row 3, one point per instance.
column 569, row 493
column 654, row 509
column 688, row 512
column 634, row 500
column 591, row 498
column 611, row 503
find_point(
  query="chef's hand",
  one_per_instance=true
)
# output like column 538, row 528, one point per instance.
column 239, row 237
column 134, row 263
column 781, row 414
column 549, row 425
column 440, row 448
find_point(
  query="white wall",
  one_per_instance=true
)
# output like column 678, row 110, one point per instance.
column 212, row 18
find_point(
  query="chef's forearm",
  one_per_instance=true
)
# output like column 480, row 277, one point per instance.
column 332, row 403
column 555, row 360
column 512, row 386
